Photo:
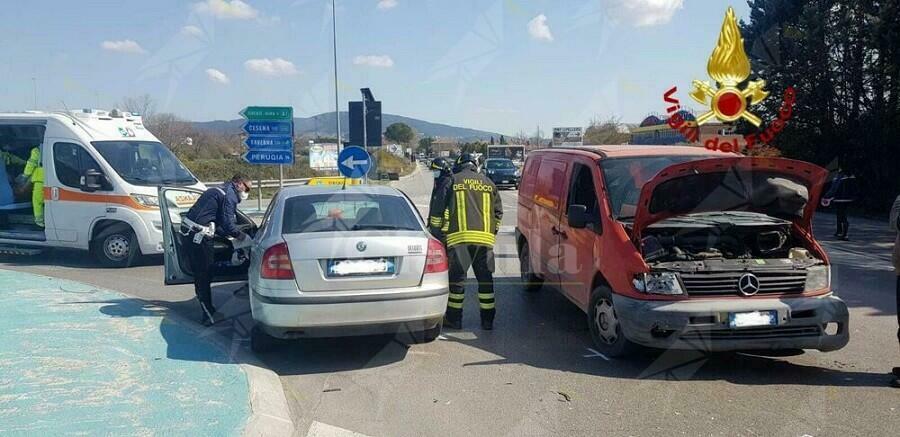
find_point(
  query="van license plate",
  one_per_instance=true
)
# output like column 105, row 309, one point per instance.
column 360, row 267
column 753, row 318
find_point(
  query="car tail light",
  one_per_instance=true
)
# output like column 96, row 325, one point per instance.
column 436, row 258
column 276, row 263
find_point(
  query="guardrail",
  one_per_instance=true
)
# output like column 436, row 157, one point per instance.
column 268, row 183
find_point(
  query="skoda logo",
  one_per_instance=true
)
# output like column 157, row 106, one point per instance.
column 748, row 284
column 361, row 246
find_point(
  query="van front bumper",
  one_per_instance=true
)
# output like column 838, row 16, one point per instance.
column 327, row 316
column 820, row 323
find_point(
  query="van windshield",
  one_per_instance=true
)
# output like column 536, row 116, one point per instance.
column 625, row 177
column 144, row 163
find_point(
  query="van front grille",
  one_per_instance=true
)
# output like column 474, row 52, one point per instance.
column 725, row 283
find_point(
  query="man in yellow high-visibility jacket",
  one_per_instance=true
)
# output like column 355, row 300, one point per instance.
column 34, row 171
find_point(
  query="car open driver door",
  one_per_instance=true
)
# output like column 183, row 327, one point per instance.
column 173, row 205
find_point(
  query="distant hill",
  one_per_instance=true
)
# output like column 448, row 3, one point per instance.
column 324, row 125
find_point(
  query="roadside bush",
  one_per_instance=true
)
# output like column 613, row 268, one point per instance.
column 390, row 163
column 221, row 169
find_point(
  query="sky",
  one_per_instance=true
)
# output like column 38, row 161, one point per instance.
column 498, row 65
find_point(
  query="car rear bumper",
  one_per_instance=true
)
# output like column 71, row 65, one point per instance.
column 357, row 314
column 703, row 324
column 510, row 181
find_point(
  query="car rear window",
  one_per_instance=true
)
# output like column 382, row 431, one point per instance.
column 347, row 212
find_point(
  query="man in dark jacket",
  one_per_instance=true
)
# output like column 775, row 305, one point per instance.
column 471, row 221
column 895, row 257
column 214, row 214
column 842, row 193
column 441, row 169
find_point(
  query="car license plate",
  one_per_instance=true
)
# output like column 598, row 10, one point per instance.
column 360, row 267
column 753, row 318
column 505, row 181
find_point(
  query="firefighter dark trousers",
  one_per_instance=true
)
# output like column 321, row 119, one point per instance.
column 201, row 259
column 481, row 259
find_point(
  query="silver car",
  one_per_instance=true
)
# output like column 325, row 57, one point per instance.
column 330, row 261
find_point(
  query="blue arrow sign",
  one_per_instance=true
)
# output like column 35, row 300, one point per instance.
column 268, row 142
column 354, row 162
column 266, row 127
column 269, row 157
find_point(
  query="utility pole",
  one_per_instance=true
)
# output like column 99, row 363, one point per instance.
column 365, row 136
column 337, row 108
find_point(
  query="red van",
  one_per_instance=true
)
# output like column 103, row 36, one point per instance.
column 680, row 247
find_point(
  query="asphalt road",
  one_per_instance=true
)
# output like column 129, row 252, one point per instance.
column 535, row 374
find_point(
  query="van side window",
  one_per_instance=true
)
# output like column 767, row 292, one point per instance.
column 582, row 191
column 550, row 183
column 528, row 175
column 71, row 161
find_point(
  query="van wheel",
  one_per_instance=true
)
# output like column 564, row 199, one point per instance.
column 115, row 247
column 606, row 331
column 531, row 281
column 260, row 342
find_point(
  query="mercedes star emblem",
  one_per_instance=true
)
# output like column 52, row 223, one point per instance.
column 361, row 246
column 748, row 284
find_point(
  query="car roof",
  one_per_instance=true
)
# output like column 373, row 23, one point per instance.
column 631, row 150
column 305, row 190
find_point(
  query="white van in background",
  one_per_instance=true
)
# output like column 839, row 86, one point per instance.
column 101, row 173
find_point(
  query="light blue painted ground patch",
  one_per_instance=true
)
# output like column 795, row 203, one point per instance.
column 76, row 360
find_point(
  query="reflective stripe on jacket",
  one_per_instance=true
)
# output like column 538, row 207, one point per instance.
column 473, row 211
column 33, row 168
column 438, row 202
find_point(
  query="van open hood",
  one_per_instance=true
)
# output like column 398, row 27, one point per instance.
column 777, row 187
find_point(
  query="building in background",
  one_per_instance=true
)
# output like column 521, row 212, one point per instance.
column 445, row 146
column 654, row 130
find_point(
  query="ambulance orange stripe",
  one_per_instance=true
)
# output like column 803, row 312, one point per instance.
column 77, row 196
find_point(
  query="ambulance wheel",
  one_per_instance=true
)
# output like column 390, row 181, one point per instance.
column 115, row 247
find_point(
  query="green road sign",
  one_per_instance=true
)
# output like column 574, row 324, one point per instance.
column 268, row 113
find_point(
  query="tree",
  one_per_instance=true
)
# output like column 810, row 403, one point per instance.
column 143, row 105
column 425, row 145
column 607, row 131
column 401, row 133
column 842, row 57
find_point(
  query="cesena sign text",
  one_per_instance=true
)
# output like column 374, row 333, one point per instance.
column 729, row 66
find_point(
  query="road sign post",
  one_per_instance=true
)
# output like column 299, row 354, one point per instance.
column 270, row 136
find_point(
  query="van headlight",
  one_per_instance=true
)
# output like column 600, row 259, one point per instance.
column 146, row 200
column 666, row 283
column 818, row 278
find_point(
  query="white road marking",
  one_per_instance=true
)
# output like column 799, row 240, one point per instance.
column 319, row 429
column 595, row 354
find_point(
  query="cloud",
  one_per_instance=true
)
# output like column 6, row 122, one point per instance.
column 538, row 28
column 271, row 67
column 123, row 46
column 377, row 61
column 217, row 76
column 192, row 31
column 387, row 4
column 227, row 9
column 645, row 13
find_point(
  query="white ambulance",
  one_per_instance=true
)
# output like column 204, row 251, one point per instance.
column 101, row 174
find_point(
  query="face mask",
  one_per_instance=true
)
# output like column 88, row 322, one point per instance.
column 244, row 195
column 436, row 173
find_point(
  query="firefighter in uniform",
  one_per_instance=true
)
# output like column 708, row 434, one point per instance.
column 34, row 172
column 442, row 171
column 471, row 221
column 213, row 214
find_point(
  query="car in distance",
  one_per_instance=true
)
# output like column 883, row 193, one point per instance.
column 333, row 261
column 681, row 247
column 502, row 172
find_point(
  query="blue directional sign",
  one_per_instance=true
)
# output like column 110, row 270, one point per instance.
column 265, row 127
column 269, row 157
column 270, row 134
column 277, row 143
column 354, row 162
